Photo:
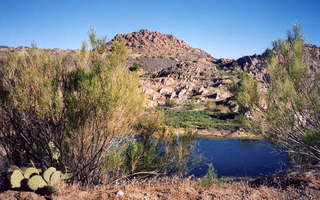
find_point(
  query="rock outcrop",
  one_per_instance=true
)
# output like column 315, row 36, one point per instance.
column 155, row 44
column 173, row 70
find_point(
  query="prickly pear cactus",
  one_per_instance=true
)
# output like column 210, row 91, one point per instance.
column 33, row 179
column 47, row 173
column 16, row 178
column 36, row 182
column 30, row 171
column 55, row 178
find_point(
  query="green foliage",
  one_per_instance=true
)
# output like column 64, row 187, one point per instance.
column 145, row 156
column 187, row 116
column 55, row 152
column 189, row 119
column 245, row 92
column 97, row 43
column 34, row 45
column 291, row 114
column 295, row 33
column 152, row 123
column 210, row 178
column 32, row 82
column 65, row 110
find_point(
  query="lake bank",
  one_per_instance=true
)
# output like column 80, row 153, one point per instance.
column 218, row 133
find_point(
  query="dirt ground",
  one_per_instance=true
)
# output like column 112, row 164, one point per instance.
column 292, row 185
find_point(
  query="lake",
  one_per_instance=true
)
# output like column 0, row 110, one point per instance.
column 238, row 157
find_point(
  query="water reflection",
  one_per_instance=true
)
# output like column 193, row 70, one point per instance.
column 188, row 156
column 239, row 158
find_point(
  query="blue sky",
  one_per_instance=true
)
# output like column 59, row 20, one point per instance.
column 223, row 28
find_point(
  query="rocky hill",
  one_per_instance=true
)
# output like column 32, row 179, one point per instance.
column 256, row 65
column 146, row 43
column 175, row 72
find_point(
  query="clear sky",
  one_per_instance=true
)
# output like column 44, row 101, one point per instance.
column 223, row 28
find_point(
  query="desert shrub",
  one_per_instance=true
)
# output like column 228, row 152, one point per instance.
column 66, row 111
column 156, row 151
column 152, row 124
column 293, row 100
column 291, row 115
column 31, row 105
column 145, row 156
column 245, row 91
column 210, row 178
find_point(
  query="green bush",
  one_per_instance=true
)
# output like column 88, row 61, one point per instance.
column 245, row 91
column 210, row 178
column 291, row 114
column 146, row 156
column 65, row 110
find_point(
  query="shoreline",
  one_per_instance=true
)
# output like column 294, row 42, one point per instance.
column 218, row 133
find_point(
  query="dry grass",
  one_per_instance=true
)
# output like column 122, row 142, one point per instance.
column 181, row 189
column 185, row 189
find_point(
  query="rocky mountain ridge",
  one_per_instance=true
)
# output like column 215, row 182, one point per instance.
column 175, row 72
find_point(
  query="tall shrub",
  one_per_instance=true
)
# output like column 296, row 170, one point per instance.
column 291, row 116
column 66, row 110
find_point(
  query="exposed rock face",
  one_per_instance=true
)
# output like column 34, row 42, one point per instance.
column 313, row 52
column 148, row 43
column 176, row 71
column 172, row 69
column 181, row 82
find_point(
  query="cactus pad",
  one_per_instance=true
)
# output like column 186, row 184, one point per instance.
column 55, row 178
column 16, row 178
column 30, row 171
column 36, row 182
column 47, row 173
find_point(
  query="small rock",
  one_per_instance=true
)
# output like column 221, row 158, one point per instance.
column 120, row 193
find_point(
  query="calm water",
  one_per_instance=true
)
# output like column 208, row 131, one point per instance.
column 238, row 158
